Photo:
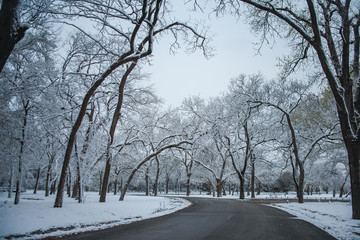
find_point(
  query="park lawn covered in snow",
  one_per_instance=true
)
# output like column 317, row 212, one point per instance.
column 35, row 216
column 332, row 217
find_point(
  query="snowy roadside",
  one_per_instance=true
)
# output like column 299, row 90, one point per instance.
column 35, row 217
column 332, row 217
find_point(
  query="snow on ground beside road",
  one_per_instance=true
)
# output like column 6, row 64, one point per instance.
column 36, row 215
column 332, row 217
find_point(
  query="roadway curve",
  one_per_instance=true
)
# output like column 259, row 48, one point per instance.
column 215, row 219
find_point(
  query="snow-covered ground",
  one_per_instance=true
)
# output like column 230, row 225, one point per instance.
column 35, row 216
column 329, row 215
column 332, row 217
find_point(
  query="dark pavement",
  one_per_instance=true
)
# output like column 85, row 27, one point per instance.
column 215, row 219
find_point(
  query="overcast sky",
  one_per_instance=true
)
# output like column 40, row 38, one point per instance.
column 178, row 76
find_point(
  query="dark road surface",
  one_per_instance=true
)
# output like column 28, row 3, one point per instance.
column 215, row 219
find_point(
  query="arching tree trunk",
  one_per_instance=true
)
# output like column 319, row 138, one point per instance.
column 157, row 176
column 114, row 122
column 69, row 183
column 148, row 158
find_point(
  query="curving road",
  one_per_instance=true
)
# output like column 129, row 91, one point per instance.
column 215, row 219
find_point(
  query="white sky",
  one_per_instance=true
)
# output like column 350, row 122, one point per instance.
column 178, row 76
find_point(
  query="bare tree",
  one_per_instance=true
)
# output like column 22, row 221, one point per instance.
column 143, row 22
column 331, row 30
column 297, row 156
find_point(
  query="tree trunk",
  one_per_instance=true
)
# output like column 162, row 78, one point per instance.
column 252, row 182
column 75, row 189
column 354, row 158
column 258, row 187
column 11, row 182
column 37, row 180
column 121, row 185
column 147, row 182
column 125, row 187
column 188, row 184
column 68, row 189
column 299, row 185
column 48, row 174
column 223, row 185
column 157, row 176
column 100, row 182
column 11, row 32
column 114, row 122
column 22, row 143
column 167, row 180
column 341, row 190
column 342, row 187
column 242, row 188
column 53, row 187
column 80, row 189
column 176, row 185
column 105, row 182
column 115, row 186
column 218, row 187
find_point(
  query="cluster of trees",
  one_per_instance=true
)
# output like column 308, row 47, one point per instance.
column 75, row 111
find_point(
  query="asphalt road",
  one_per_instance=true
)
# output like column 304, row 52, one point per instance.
column 215, row 219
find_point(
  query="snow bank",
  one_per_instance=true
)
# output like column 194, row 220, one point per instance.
column 35, row 216
column 332, row 217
